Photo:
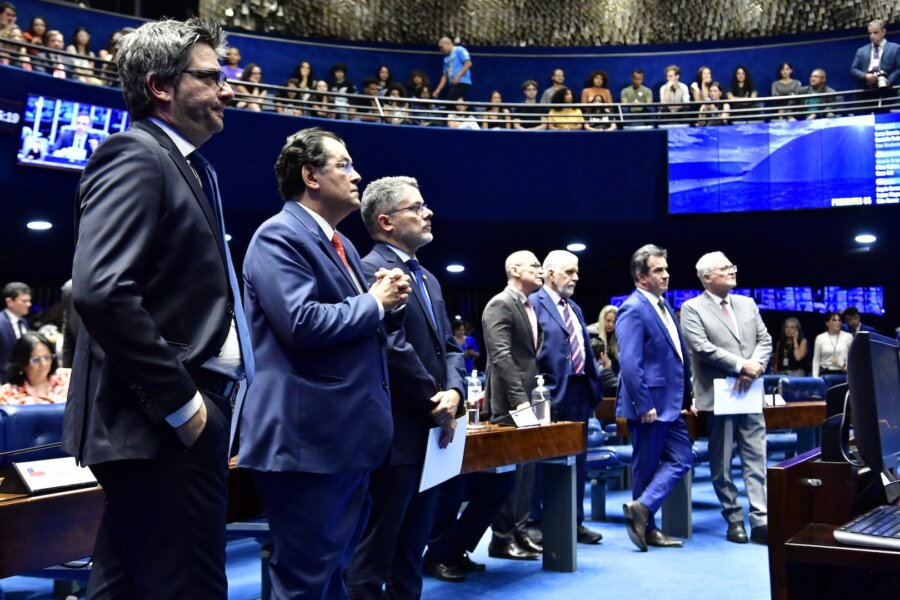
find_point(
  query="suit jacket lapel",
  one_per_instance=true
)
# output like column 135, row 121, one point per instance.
column 307, row 221
column 659, row 322
column 392, row 258
column 716, row 309
column 544, row 298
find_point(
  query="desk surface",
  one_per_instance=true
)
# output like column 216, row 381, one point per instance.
column 45, row 530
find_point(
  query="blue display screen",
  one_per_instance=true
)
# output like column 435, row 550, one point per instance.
column 821, row 163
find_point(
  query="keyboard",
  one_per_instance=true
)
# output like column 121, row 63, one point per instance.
column 878, row 528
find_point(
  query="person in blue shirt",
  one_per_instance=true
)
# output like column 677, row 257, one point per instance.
column 469, row 346
column 457, row 70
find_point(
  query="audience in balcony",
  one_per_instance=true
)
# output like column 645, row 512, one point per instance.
column 791, row 349
column 606, row 331
column 636, row 95
column 496, row 117
column 306, row 82
column 33, row 375
column 8, row 27
column 557, row 80
column 417, row 80
column 383, row 77
column 109, row 54
column 396, row 107
column 367, row 109
column 700, row 85
column 14, row 54
column 35, row 33
column 322, row 103
column 457, row 72
column 288, row 101
column 232, row 67
column 742, row 93
column 674, row 94
column 600, row 116
column 529, row 115
column 818, row 107
column 563, row 116
column 596, row 84
column 831, row 347
column 424, row 113
column 80, row 48
column 462, row 118
column 54, row 60
column 785, row 86
column 253, row 96
column 339, row 84
column 714, row 111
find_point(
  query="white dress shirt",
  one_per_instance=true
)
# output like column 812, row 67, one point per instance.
column 666, row 318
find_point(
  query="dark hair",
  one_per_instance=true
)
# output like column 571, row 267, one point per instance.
column 460, row 323
column 311, row 80
column 246, row 74
column 850, row 311
column 21, row 354
column 748, row 83
column 378, row 75
column 305, row 147
column 529, row 82
column 782, row 339
column 425, row 81
column 75, row 33
column 554, row 70
column 33, row 19
column 288, row 84
column 699, row 78
column 637, row 72
column 339, row 67
column 830, row 314
column 640, row 260
column 560, row 95
column 396, row 85
column 590, row 80
column 369, row 81
column 420, row 89
column 5, row 5
column 716, row 84
column 14, row 289
column 784, row 64
column 598, row 346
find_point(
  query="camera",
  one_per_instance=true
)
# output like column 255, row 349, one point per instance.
column 882, row 77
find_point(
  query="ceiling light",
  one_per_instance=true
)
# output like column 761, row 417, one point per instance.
column 865, row 238
column 39, row 225
column 227, row 237
column 576, row 247
column 455, row 268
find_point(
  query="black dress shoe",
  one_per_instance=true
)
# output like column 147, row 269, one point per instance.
column 450, row 573
column 535, row 533
column 526, row 543
column 760, row 535
column 736, row 533
column 586, row 536
column 468, row 565
column 657, row 538
column 512, row 551
column 636, row 516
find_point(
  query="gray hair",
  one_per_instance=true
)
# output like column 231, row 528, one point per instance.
column 707, row 263
column 877, row 23
column 305, row 147
column 381, row 196
column 556, row 258
column 640, row 260
column 162, row 48
column 820, row 70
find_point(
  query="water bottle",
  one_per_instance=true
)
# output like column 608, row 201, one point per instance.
column 473, row 395
column 540, row 401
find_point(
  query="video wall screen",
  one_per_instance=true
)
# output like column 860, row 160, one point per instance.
column 62, row 134
column 785, row 165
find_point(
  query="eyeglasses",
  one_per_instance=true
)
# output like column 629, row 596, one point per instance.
column 417, row 209
column 37, row 360
column 346, row 165
column 728, row 269
column 209, row 74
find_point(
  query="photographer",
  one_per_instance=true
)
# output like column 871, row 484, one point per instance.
column 876, row 67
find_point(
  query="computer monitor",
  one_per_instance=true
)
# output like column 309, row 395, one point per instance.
column 873, row 377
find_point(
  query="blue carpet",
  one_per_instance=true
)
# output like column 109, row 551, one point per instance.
column 707, row 567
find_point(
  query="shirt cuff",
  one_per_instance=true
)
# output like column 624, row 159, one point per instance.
column 740, row 366
column 184, row 414
column 380, row 307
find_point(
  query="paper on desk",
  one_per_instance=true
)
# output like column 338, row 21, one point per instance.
column 442, row 464
column 727, row 401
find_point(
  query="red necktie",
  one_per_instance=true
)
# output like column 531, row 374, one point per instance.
column 339, row 248
column 724, row 305
column 574, row 347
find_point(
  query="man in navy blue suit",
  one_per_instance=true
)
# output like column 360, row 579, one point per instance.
column 317, row 419
column 853, row 321
column 876, row 66
column 16, row 304
column 566, row 359
column 654, row 386
column 427, row 371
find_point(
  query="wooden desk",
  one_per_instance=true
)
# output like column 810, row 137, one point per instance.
column 45, row 530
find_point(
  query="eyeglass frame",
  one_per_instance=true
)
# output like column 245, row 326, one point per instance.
column 727, row 270
column 205, row 74
column 347, row 166
column 417, row 209
column 36, row 361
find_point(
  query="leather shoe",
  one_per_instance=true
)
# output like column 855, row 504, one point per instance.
column 636, row 516
column 512, row 551
column 586, row 536
column 760, row 535
column 450, row 573
column 468, row 565
column 526, row 543
column 536, row 535
column 736, row 533
column 657, row 538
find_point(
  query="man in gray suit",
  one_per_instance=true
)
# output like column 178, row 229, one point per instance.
column 728, row 338
column 512, row 337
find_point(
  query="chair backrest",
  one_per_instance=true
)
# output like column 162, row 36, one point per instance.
column 802, row 389
column 31, row 425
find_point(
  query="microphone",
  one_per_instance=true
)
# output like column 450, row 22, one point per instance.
column 30, row 449
column 531, row 406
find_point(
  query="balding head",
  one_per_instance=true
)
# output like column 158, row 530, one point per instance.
column 523, row 271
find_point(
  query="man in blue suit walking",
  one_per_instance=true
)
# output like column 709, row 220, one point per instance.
column 654, row 386
column 317, row 419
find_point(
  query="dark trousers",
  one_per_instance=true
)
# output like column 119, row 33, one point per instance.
column 316, row 521
column 509, row 524
column 398, row 528
column 460, row 89
column 162, row 534
column 661, row 456
column 453, row 533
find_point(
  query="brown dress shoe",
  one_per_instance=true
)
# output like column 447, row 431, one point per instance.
column 657, row 538
column 636, row 516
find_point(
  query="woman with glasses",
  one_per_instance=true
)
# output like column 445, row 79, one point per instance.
column 32, row 373
column 252, row 96
column 831, row 348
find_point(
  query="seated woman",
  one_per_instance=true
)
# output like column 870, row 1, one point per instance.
column 396, row 108
column 288, row 101
column 790, row 350
column 322, row 103
column 700, row 86
column 33, row 375
column 562, row 117
column 35, row 33
column 595, row 85
column 496, row 117
column 254, row 97
column 383, row 75
column 462, row 118
column 742, row 90
column 831, row 348
column 714, row 112
column 600, row 116
column 785, row 85
column 423, row 113
column 606, row 327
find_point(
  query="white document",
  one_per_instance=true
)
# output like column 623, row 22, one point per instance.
column 524, row 417
column 442, row 464
column 727, row 401
column 54, row 473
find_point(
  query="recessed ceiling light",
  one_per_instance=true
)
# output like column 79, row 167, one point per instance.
column 227, row 237
column 455, row 268
column 576, row 247
column 39, row 225
column 865, row 238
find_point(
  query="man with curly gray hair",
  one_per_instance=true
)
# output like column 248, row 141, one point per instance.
column 164, row 347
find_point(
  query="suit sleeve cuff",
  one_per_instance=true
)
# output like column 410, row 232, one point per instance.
column 184, row 414
column 739, row 366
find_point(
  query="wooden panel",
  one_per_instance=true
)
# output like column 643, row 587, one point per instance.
column 497, row 446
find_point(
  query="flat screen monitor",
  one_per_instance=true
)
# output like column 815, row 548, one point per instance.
column 873, row 377
column 62, row 134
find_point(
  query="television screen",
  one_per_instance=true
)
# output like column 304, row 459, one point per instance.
column 785, row 165
column 62, row 134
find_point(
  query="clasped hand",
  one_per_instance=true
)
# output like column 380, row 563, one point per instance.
column 444, row 414
column 390, row 287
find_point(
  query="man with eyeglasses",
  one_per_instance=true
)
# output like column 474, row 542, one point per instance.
column 530, row 115
column 317, row 419
column 8, row 27
column 163, row 350
column 728, row 338
column 427, row 373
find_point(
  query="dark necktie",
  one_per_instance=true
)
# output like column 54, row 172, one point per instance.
column 210, row 184
column 574, row 346
column 417, row 274
column 875, row 51
column 23, row 327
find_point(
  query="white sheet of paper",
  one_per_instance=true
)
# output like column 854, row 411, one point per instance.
column 442, row 464
column 729, row 402
column 524, row 417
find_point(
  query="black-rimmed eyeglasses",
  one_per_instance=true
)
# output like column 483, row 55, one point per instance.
column 209, row 75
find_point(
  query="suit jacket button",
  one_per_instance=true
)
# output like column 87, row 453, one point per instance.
column 384, row 384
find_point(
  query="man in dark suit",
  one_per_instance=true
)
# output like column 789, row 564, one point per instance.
column 317, row 419
column 17, row 304
column 78, row 143
column 853, row 322
column 152, row 382
column 654, row 386
column 512, row 337
column 567, row 361
column 876, row 66
column 427, row 372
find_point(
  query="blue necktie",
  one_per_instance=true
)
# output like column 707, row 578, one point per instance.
column 210, row 184
column 416, row 271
